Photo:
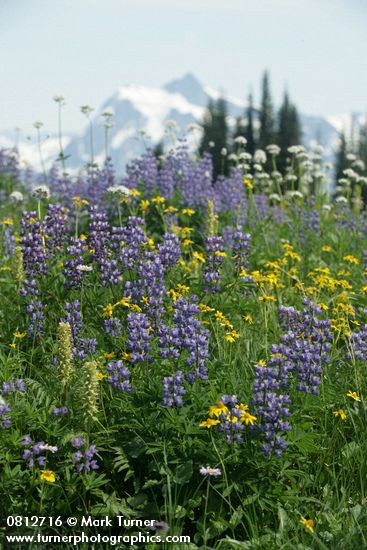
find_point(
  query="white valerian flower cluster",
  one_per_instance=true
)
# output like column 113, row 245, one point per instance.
column 241, row 141
column 295, row 194
column 16, row 196
column 84, row 268
column 119, row 190
column 273, row 149
column 41, row 192
column 260, row 157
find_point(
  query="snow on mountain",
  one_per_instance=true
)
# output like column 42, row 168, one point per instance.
column 142, row 116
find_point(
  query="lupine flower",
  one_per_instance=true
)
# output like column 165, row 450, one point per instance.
column 119, row 376
column 112, row 326
column 214, row 247
column 5, row 409
column 34, row 451
column 84, row 460
column 138, row 337
column 230, row 418
column 173, row 390
column 12, row 386
column 60, row 411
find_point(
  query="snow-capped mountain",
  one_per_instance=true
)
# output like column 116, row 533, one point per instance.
column 143, row 117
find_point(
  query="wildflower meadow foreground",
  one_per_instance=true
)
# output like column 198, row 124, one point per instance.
column 185, row 351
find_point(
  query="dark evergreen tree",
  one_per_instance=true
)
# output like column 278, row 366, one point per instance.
column 362, row 143
column 215, row 135
column 362, row 153
column 341, row 162
column 266, row 134
column 289, row 130
column 249, row 131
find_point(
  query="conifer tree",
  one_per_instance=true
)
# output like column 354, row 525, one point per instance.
column 215, row 134
column 266, row 134
column 249, row 131
column 341, row 162
column 289, row 130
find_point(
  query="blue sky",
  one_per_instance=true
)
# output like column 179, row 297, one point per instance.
column 85, row 49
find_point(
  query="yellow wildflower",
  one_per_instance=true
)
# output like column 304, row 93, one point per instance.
column 108, row 310
column 171, row 210
column 308, row 523
column 248, row 318
column 340, row 413
column 48, row 475
column 246, row 417
column 135, row 192
column 208, row 423
column 188, row 211
column 136, row 308
column 7, row 221
column 13, row 346
column 199, row 256
column 231, row 336
column 351, row 259
column 220, row 254
column 108, row 355
column 326, row 248
column 187, row 242
column 158, row 199
column 353, row 395
column 100, row 375
column 266, row 298
column 79, row 202
column 125, row 301
column 144, row 205
column 248, row 184
column 19, row 334
column 218, row 409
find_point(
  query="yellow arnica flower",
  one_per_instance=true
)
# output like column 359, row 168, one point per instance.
column 340, row 413
column 79, row 202
column 158, row 200
column 7, row 221
column 199, row 257
column 248, row 183
column 218, row 409
column 144, row 205
column 351, row 259
column 266, row 298
column 108, row 310
column 326, row 248
column 353, row 395
column 12, row 346
column 308, row 523
column 231, row 336
column 48, row 475
column 188, row 211
column 20, row 334
column 246, row 417
column 248, row 319
column 208, row 423
column 100, row 375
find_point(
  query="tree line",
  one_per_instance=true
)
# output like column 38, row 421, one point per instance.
column 260, row 127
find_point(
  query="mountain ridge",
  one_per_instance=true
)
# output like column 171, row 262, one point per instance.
column 142, row 112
